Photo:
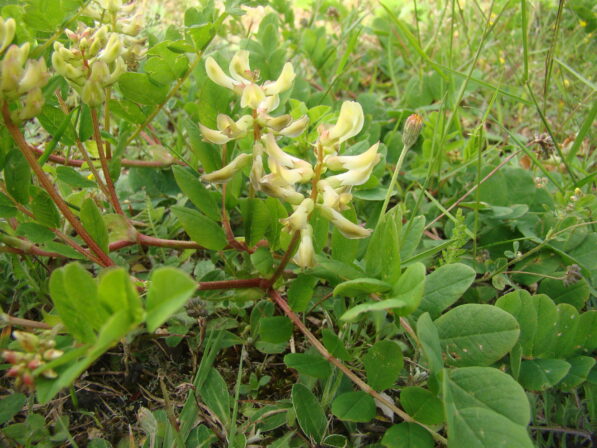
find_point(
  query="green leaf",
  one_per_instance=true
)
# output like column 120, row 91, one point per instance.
column 444, row 286
column 537, row 316
column 300, row 292
column 201, row 35
column 355, row 311
column 309, row 412
column 52, row 118
column 169, row 290
column 201, row 198
column 276, row 329
column 354, row 407
column 410, row 236
column 74, row 309
column 139, row 88
column 35, row 232
column 422, row 405
column 580, row 367
column 214, row 393
column 72, row 177
column 116, row 292
column 382, row 258
column 430, row 343
column 17, row 176
column 200, row 228
column 485, row 408
column 409, row 288
column 335, row 345
column 586, row 332
column 306, row 364
column 257, row 219
column 575, row 294
column 45, row 210
column 407, row 435
column 10, row 405
column 541, row 374
column 91, row 218
column 360, row 286
column 383, row 363
column 127, row 110
column 7, row 209
column 474, row 334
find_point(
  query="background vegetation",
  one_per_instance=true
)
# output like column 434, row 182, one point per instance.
column 489, row 247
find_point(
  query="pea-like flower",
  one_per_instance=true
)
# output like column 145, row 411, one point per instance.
column 359, row 167
column 224, row 174
column 7, row 32
column 300, row 217
column 346, row 227
column 305, row 254
column 349, row 123
column 228, row 129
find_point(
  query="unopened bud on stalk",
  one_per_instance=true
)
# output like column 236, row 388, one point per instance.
column 412, row 129
column 305, row 255
column 300, row 217
column 347, row 228
column 28, row 341
column 296, row 128
column 7, row 32
column 223, row 175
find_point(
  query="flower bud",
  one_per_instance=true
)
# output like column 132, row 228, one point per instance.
column 252, row 96
column 412, row 129
column 213, row 136
column 350, row 122
column 217, row 75
column 366, row 159
column 28, row 341
column 36, row 75
column 112, row 50
column 283, row 83
column 305, row 255
column 239, row 67
column 300, row 217
column 119, row 69
column 272, row 186
column 50, row 374
column 92, row 93
column 295, row 128
column 52, row 354
column 347, row 228
column 277, row 123
column 32, row 104
column 224, row 174
column 12, row 68
column 111, row 5
column 7, row 32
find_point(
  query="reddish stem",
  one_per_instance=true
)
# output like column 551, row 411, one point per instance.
column 124, row 162
column 49, row 187
column 104, row 162
column 233, row 284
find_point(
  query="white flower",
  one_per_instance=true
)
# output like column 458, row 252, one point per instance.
column 295, row 128
column 368, row 158
column 347, row 228
column 300, row 217
column 224, row 174
column 350, row 122
column 217, row 75
column 252, row 96
column 285, row 165
column 305, row 255
column 283, row 83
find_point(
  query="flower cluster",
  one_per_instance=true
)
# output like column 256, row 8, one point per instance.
column 36, row 351
column 287, row 174
column 93, row 62
column 20, row 77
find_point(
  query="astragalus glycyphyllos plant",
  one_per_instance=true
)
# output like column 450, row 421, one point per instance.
column 301, row 183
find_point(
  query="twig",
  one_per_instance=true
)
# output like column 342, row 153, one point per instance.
column 277, row 298
column 6, row 319
column 104, row 162
column 49, row 187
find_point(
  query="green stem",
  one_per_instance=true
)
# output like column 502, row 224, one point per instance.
column 393, row 181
